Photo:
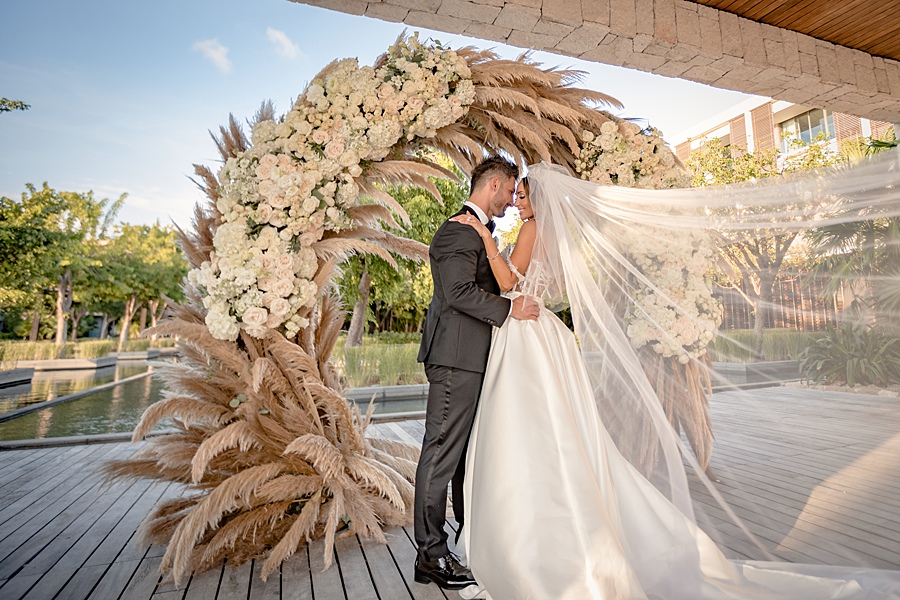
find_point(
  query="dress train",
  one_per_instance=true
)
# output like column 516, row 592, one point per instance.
column 555, row 512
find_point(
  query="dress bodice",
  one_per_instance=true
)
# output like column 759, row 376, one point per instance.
column 532, row 283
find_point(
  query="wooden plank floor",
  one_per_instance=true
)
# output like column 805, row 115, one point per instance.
column 812, row 475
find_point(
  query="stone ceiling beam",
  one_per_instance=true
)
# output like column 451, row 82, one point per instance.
column 675, row 38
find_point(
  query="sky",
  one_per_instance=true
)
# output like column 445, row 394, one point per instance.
column 123, row 94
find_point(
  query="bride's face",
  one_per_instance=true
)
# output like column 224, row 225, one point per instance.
column 523, row 203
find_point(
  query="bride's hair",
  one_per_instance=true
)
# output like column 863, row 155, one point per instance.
column 524, row 181
column 489, row 167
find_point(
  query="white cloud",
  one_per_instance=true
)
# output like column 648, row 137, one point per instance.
column 283, row 44
column 216, row 53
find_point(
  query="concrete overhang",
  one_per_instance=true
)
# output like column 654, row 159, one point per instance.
column 840, row 55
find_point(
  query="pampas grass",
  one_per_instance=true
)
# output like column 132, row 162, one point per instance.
column 269, row 450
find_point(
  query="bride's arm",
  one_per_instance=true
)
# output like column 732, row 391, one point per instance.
column 506, row 279
column 521, row 256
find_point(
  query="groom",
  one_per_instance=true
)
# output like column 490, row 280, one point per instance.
column 465, row 308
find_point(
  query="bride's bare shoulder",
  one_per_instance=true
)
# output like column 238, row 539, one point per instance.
column 528, row 230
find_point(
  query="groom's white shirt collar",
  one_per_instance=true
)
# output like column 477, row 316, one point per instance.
column 478, row 212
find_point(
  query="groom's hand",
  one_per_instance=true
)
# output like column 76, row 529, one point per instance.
column 525, row 308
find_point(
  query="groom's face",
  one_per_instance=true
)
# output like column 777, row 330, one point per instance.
column 504, row 194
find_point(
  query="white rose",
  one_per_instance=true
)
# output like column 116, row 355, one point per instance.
column 320, row 136
column 277, row 219
column 392, row 105
column 266, row 283
column 348, row 158
column 267, row 237
column 285, row 261
column 335, row 148
column 279, row 201
column 310, row 204
column 415, row 103
column 266, row 187
column 280, row 307
column 257, row 331
column 255, row 316
column 283, row 287
column 283, row 130
column 263, row 212
column 314, row 92
column 385, row 91
column 268, row 263
column 285, row 272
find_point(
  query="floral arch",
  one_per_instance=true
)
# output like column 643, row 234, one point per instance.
column 270, row 451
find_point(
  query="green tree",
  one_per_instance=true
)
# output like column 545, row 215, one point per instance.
column 85, row 221
column 7, row 105
column 29, row 240
column 146, row 268
column 47, row 239
column 752, row 260
column 865, row 255
column 386, row 295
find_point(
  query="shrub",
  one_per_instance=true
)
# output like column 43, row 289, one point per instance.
column 778, row 344
column 376, row 363
column 92, row 349
column 395, row 337
column 13, row 351
column 853, row 355
column 10, row 352
column 162, row 343
column 137, row 345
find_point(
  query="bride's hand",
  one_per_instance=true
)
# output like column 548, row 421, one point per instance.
column 475, row 222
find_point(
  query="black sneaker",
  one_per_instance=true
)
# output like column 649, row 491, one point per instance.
column 445, row 571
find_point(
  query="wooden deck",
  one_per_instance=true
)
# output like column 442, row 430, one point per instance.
column 812, row 474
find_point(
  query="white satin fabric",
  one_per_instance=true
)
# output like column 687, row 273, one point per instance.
column 554, row 512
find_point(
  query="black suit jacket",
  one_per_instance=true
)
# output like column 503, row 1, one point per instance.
column 466, row 303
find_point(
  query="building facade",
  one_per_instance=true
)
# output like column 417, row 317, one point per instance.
column 764, row 123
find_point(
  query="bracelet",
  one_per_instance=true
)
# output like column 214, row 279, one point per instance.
column 494, row 257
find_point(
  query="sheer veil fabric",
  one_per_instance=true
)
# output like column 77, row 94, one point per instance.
column 576, row 486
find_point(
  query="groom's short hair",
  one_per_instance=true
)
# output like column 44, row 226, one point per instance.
column 490, row 167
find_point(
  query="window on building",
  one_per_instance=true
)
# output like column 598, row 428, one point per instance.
column 807, row 127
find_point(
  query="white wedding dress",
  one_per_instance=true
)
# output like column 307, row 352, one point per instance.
column 555, row 512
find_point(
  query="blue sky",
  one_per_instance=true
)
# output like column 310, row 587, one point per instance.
column 122, row 93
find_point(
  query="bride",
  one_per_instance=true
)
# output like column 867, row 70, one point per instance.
column 556, row 510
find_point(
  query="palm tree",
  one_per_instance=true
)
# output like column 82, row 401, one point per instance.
column 867, row 254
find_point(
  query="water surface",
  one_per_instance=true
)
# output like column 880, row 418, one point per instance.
column 119, row 409
column 49, row 385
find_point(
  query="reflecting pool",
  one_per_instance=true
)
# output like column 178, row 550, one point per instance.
column 118, row 409
column 48, row 385
column 114, row 410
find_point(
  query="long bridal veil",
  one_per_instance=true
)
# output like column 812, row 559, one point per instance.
column 623, row 260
